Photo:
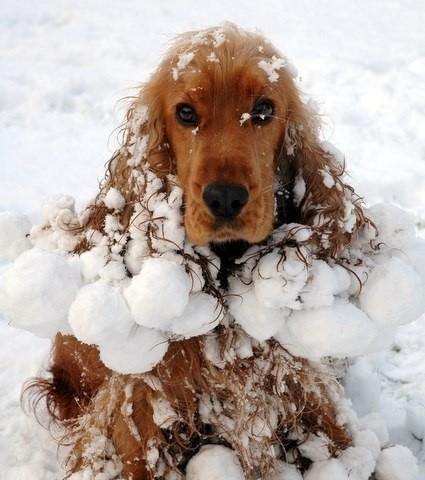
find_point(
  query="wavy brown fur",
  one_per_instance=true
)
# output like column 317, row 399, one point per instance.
column 187, row 380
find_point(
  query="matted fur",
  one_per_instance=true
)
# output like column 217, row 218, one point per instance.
column 92, row 402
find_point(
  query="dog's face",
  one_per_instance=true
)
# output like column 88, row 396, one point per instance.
column 224, row 123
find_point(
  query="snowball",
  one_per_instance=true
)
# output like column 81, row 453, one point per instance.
column 368, row 440
column 278, row 283
column 328, row 180
column 375, row 422
column 324, row 282
column 339, row 331
column 37, row 291
column 415, row 417
column 200, row 316
column 214, row 462
column 114, row 199
column 393, row 294
column 285, row 471
column 331, row 469
column 396, row 463
column 159, row 293
column 414, row 255
column 257, row 320
column 358, row 462
column 138, row 353
column 363, row 387
column 396, row 227
column 113, row 271
column 136, row 252
column 92, row 261
column 53, row 208
column 315, row 448
column 14, row 229
column 100, row 314
column 169, row 224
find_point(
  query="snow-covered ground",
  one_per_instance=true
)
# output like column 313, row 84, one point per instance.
column 66, row 64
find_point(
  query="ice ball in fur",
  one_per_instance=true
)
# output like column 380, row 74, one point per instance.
column 100, row 314
column 393, row 294
column 214, row 462
column 37, row 291
column 136, row 353
column 159, row 293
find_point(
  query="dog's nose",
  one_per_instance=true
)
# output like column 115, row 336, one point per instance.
column 225, row 200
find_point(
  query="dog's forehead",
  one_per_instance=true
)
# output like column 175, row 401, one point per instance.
column 237, row 81
column 226, row 78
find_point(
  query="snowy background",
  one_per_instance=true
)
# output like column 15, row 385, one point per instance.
column 64, row 67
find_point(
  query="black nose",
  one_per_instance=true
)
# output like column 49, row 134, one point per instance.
column 225, row 200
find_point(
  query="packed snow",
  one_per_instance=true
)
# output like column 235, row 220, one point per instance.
column 57, row 112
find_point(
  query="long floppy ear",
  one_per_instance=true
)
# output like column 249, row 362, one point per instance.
column 321, row 198
column 143, row 145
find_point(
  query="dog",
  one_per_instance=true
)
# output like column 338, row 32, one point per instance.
column 226, row 118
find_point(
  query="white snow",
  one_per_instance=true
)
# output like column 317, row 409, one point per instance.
column 14, row 229
column 64, row 68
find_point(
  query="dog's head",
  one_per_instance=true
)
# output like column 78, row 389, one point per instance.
column 225, row 115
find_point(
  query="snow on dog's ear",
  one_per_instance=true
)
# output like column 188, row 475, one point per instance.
column 143, row 147
column 321, row 198
column 144, row 142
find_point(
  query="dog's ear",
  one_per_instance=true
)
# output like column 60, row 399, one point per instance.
column 143, row 144
column 314, row 172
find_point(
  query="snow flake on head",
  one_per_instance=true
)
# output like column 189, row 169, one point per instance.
column 218, row 37
column 272, row 66
column 212, row 58
column 183, row 61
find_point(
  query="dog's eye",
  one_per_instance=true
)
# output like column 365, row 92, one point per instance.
column 262, row 112
column 187, row 115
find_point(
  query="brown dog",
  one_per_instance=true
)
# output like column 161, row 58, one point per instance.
column 225, row 116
